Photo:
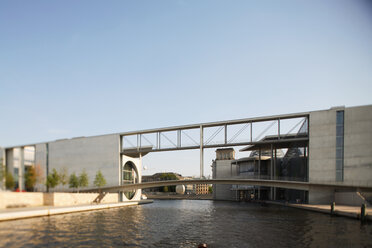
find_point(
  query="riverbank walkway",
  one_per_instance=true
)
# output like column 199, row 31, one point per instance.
column 339, row 210
column 29, row 212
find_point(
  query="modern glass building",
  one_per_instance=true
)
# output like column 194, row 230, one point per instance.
column 335, row 148
column 329, row 146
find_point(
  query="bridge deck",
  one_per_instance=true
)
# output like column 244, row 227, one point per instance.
column 254, row 182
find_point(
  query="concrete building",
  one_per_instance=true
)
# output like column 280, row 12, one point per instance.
column 338, row 150
column 222, row 168
column 201, row 189
column 331, row 146
column 75, row 155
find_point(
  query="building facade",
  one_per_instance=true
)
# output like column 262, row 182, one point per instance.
column 340, row 148
column 89, row 154
column 222, row 167
column 333, row 146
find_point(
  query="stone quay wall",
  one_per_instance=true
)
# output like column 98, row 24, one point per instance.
column 37, row 199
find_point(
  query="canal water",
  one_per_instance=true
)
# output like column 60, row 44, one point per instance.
column 187, row 223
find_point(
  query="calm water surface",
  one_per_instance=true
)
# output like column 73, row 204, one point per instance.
column 186, row 223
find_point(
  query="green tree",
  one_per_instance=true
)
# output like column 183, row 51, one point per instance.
column 52, row 179
column 9, row 181
column 100, row 180
column 63, row 176
column 83, row 179
column 165, row 189
column 168, row 176
column 30, row 178
column 210, row 189
column 2, row 171
column 73, row 181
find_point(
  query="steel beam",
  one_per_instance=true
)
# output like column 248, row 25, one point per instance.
column 225, row 134
column 220, row 123
column 205, row 125
column 276, row 144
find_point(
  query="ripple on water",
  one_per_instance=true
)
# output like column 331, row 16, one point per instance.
column 186, row 223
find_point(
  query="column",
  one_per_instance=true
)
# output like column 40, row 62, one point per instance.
column 201, row 153
column 259, row 172
column 21, row 170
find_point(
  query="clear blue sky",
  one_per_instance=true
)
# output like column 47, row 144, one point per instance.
column 82, row 68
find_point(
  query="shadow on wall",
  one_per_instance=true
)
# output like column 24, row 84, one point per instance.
column 48, row 199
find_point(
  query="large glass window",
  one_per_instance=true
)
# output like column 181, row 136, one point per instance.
column 340, row 146
column 16, row 177
column 246, row 168
column 129, row 176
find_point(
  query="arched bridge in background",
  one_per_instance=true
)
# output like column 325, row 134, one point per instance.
column 252, row 182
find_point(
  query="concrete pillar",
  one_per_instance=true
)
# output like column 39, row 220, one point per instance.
column 259, row 172
column 21, row 183
column 271, row 163
column 259, row 163
column 140, row 168
column 201, row 153
column 274, row 172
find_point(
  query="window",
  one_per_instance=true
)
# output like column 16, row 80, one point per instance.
column 129, row 176
column 340, row 146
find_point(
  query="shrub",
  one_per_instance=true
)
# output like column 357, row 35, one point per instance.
column 73, row 181
column 100, row 180
column 52, row 179
column 83, row 179
column 9, row 181
column 30, row 179
column 63, row 176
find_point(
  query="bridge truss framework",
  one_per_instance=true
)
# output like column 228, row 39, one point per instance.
column 171, row 138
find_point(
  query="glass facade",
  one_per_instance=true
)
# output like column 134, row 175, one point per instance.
column 247, row 168
column 340, row 146
column 129, row 176
column 18, row 161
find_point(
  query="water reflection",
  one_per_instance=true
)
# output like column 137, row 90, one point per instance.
column 186, row 224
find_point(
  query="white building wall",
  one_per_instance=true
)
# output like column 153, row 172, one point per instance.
column 89, row 153
column 358, row 145
column 357, row 149
column 223, row 169
column 322, row 146
column 40, row 161
column 2, row 167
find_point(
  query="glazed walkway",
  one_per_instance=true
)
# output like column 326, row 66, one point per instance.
column 20, row 213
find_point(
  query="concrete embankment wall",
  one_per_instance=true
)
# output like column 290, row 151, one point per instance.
column 12, row 199
column 35, row 199
column 350, row 199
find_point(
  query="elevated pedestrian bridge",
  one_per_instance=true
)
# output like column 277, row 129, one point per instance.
column 252, row 182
